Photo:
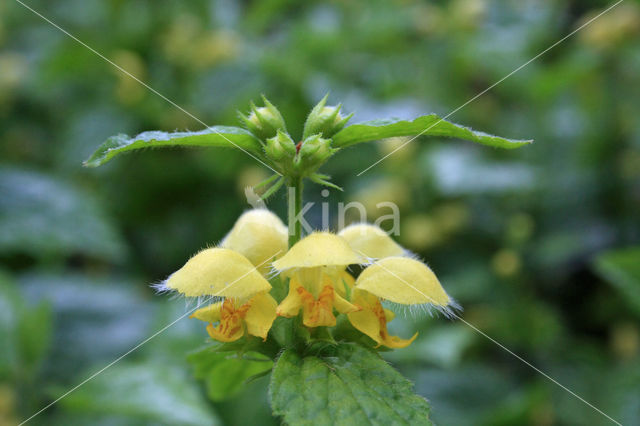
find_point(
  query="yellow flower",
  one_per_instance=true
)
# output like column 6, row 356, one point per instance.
column 257, row 235
column 319, row 284
column 315, row 266
column 233, row 273
column 373, row 318
column 371, row 241
column 400, row 280
column 253, row 317
column 317, row 250
column 218, row 272
column 403, row 280
column 317, row 309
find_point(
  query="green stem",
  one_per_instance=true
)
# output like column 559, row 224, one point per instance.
column 295, row 207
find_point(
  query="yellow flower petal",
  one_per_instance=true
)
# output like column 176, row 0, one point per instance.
column 216, row 333
column 372, row 320
column 209, row 313
column 367, row 323
column 344, row 283
column 260, row 236
column 231, row 325
column 371, row 241
column 312, row 279
column 261, row 314
column 218, row 272
column 366, row 319
column 318, row 312
column 290, row 305
column 348, row 279
column 342, row 305
column 389, row 314
column 318, row 249
column 403, row 280
column 398, row 343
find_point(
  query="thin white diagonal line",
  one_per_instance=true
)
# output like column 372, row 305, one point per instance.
column 94, row 375
column 495, row 84
column 452, row 313
column 118, row 67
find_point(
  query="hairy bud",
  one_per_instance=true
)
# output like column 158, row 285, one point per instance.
column 314, row 151
column 324, row 120
column 264, row 122
column 280, row 147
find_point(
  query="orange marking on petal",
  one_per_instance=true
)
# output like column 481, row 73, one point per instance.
column 387, row 340
column 317, row 312
column 231, row 327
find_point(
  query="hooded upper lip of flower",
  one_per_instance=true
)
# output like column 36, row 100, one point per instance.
column 318, row 280
column 315, row 265
column 235, row 272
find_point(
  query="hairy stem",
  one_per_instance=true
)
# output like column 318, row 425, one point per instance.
column 294, row 194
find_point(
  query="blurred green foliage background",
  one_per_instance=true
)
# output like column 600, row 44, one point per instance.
column 536, row 244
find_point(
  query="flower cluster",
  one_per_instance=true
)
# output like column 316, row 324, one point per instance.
column 236, row 275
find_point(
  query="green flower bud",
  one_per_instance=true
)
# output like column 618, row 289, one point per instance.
column 264, row 122
column 280, row 147
column 314, row 151
column 324, row 120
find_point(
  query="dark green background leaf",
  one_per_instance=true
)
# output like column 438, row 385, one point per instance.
column 47, row 217
column 150, row 391
column 622, row 269
column 353, row 387
column 224, row 373
column 217, row 136
column 25, row 333
column 390, row 127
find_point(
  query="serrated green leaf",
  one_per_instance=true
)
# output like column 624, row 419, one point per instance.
column 225, row 373
column 622, row 269
column 427, row 125
column 353, row 386
column 217, row 136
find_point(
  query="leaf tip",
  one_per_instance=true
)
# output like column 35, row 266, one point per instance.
column 522, row 142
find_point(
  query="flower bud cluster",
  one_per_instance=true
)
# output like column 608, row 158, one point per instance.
column 291, row 159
